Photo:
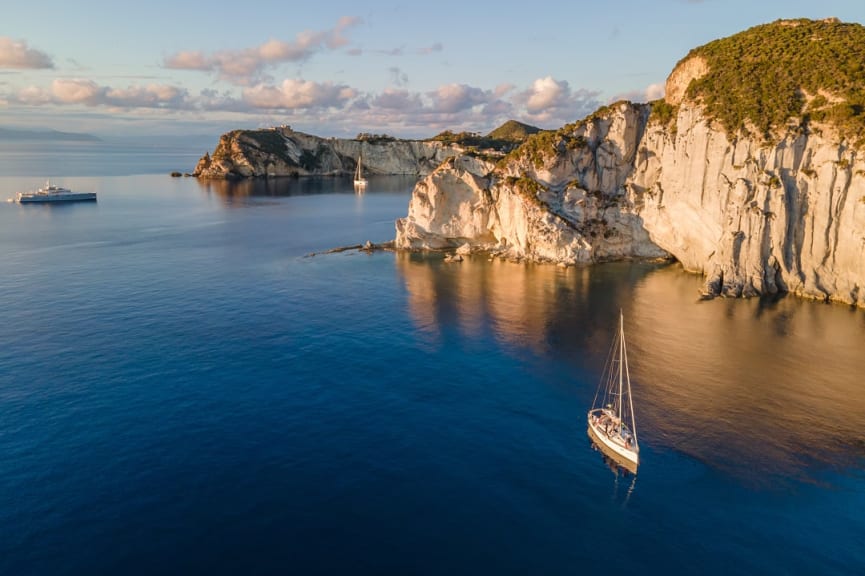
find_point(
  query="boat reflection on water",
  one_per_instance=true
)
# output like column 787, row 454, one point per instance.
column 624, row 481
column 764, row 390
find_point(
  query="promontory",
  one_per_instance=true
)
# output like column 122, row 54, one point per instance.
column 749, row 171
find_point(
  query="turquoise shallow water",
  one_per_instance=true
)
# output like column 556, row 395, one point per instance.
column 183, row 390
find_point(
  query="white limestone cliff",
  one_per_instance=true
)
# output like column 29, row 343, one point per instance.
column 756, row 218
column 570, row 207
column 753, row 217
column 284, row 152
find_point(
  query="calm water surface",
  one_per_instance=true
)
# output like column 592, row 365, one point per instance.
column 183, row 390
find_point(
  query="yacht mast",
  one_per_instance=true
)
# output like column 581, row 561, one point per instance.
column 630, row 400
column 621, row 359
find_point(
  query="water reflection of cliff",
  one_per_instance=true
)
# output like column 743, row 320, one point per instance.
column 745, row 386
column 238, row 191
column 540, row 307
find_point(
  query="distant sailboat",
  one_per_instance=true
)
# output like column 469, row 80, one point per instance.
column 611, row 419
column 359, row 180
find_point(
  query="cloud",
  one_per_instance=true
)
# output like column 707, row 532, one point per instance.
column 651, row 92
column 245, row 67
column 502, row 89
column 88, row 93
column 655, row 91
column 550, row 101
column 16, row 54
column 189, row 61
column 452, row 98
column 31, row 95
column 330, row 106
column 391, row 51
column 397, row 76
column 296, row 93
column 436, row 47
column 397, row 101
column 78, row 91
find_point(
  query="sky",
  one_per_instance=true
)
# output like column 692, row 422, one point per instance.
column 337, row 68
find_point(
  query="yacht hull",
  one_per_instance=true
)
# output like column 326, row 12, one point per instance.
column 51, row 198
column 625, row 457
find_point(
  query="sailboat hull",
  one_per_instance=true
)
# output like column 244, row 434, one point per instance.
column 613, row 447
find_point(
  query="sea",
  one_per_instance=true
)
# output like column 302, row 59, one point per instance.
column 190, row 383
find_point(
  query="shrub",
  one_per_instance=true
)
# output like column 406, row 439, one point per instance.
column 759, row 77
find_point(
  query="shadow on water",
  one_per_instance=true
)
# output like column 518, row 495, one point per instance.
column 762, row 389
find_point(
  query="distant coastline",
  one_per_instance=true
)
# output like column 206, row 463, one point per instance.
column 15, row 135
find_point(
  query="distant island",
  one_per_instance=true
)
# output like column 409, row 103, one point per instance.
column 16, row 135
column 282, row 151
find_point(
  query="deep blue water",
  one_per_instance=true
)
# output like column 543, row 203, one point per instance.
column 183, row 390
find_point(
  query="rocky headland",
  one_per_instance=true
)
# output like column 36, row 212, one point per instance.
column 749, row 172
column 281, row 151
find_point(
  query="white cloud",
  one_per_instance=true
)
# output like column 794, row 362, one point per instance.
column 546, row 93
column 77, row 91
column 552, row 102
column 68, row 91
column 397, row 100
column 31, row 95
column 191, row 60
column 296, row 93
column 655, row 91
column 16, row 54
column 651, row 92
column 245, row 67
column 547, row 103
column 452, row 98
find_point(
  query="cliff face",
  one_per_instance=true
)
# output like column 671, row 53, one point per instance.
column 753, row 217
column 749, row 172
column 756, row 218
column 567, row 206
column 284, row 152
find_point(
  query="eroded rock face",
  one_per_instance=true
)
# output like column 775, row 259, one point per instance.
column 285, row 152
column 570, row 208
column 680, row 78
column 754, row 218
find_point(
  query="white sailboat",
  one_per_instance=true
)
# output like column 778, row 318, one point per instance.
column 611, row 419
column 359, row 180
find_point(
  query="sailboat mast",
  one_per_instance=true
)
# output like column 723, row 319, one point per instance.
column 621, row 360
column 630, row 400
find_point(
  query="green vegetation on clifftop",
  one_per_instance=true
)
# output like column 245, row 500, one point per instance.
column 800, row 70
column 513, row 131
